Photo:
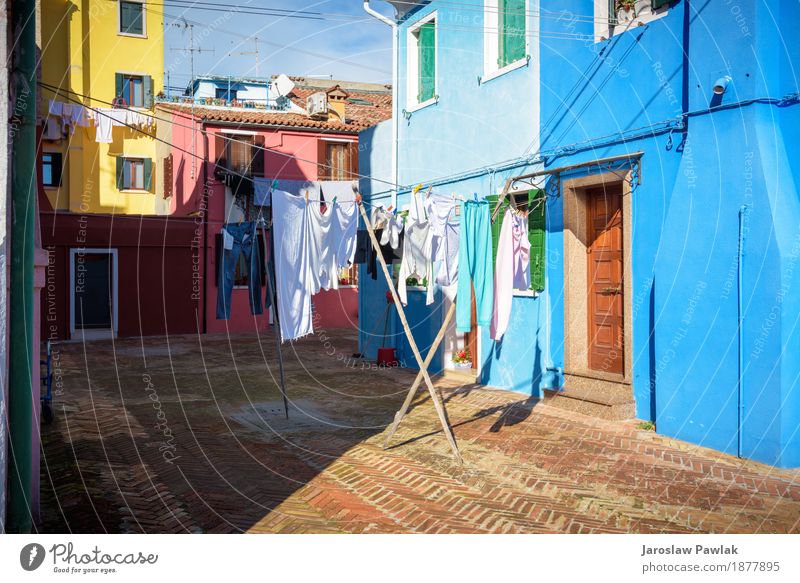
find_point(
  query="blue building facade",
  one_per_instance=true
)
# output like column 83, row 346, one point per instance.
column 676, row 128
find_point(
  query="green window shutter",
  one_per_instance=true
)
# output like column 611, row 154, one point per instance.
column 512, row 31
column 147, row 85
column 427, row 62
column 119, row 85
column 120, row 173
column 148, row 174
column 498, row 222
column 656, row 4
column 536, row 236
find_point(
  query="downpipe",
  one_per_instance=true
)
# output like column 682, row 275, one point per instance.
column 395, row 92
column 740, row 319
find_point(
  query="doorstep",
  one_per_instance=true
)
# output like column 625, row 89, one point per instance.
column 598, row 398
column 464, row 376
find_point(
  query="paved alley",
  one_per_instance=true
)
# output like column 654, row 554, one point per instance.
column 188, row 434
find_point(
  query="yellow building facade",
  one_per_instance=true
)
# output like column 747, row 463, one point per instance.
column 106, row 55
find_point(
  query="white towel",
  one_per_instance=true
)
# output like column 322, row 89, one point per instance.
column 105, row 120
column 296, row 262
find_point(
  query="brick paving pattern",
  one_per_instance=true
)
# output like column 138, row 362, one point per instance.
column 187, row 435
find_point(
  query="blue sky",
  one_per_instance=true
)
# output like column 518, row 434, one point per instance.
column 342, row 41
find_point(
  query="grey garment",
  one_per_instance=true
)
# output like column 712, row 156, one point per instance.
column 445, row 253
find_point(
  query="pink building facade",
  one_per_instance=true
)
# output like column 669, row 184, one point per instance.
column 205, row 141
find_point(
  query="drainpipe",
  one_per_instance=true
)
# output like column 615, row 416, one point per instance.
column 740, row 318
column 23, row 206
column 395, row 103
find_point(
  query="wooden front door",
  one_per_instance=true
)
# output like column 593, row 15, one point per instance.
column 606, row 278
column 471, row 337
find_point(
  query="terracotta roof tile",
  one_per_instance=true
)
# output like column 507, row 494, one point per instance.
column 363, row 110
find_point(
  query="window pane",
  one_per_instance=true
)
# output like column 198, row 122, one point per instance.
column 138, row 174
column 337, row 161
column 241, row 154
column 137, row 92
column 130, row 17
column 48, row 161
column 126, row 174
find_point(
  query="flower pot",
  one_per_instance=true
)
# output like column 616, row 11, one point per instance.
column 463, row 365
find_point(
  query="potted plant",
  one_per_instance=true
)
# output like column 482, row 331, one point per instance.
column 462, row 359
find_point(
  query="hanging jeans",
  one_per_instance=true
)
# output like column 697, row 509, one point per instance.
column 475, row 266
column 242, row 239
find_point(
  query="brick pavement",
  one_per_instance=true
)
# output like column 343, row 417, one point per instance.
column 187, row 435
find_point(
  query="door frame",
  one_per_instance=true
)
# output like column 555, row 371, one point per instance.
column 576, row 296
column 114, row 287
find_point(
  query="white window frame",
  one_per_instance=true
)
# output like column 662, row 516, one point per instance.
column 603, row 32
column 491, row 41
column 412, row 64
column 114, row 290
column 144, row 19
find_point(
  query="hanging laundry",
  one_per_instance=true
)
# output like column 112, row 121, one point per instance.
column 261, row 189
column 474, row 266
column 417, row 261
column 341, row 190
column 334, row 232
column 105, row 120
column 512, row 269
column 390, row 226
column 444, row 238
column 239, row 239
column 52, row 129
column 365, row 252
column 298, row 187
column 78, row 117
column 296, row 263
column 55, row 108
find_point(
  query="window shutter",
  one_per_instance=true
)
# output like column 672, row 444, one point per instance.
column 147, row 85
column 656, row 4
column 148, row 174
column 257, row 164
column 168, row 187
column 512, row 31
column 120, row 173
column 536, row 236
column 323, row 169
column 498, row 223
column 119, row 85
column 352, row 156
column 427, row 62
column 219, row 147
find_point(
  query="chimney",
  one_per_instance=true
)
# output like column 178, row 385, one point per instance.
column 337, row 102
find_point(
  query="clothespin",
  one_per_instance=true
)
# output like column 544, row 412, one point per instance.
column 475, row 196
column 306, row 197
column 416, row 189
column 334, row 200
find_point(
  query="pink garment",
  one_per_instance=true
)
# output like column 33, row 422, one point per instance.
column 512, row 269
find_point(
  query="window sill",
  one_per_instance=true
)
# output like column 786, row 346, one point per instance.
column 135, row 191
column 417, row 106
column 527, row 293
column 507, row 69
column 51, row 186
column 131, row 35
